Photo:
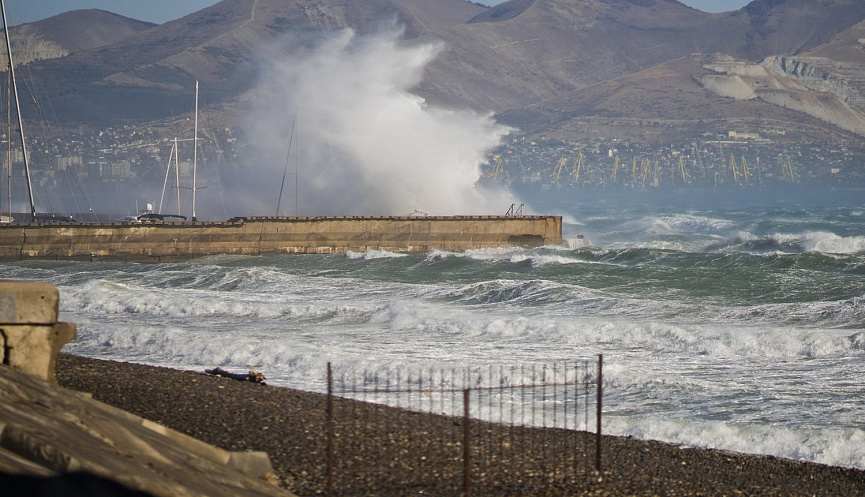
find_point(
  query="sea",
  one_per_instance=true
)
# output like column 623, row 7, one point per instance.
column 736, row 324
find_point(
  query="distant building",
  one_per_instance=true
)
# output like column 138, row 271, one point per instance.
column 64, row 163
column 743, row 136
column 121, row 169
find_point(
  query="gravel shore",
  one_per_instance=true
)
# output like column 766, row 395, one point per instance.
column 288, row 425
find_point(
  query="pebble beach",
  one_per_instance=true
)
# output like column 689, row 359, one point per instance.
column 288, row 425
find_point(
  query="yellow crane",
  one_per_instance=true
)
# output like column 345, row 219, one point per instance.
column 787, row 169
column 497, row 168
column 561, row 166
column 735, row 168
column 745, row 171
column 577, row 167
column 645, row 165
column 682, row 170
column 615, row 168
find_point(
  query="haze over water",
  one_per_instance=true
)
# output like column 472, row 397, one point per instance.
column 732, row 326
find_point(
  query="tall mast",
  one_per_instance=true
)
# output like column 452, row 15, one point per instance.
column 18, row 109
column 9, row 142
column 177, row 174
column 165, row 182
column 195, row 152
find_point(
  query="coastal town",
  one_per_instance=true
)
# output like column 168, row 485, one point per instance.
column 739, row 160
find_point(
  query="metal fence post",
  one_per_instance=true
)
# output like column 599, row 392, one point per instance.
column 330, row 434
column 467, row 437
column 600, row 396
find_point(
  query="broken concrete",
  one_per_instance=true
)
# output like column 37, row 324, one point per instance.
column 47, row 431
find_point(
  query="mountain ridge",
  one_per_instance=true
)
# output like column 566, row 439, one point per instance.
column 515, row 59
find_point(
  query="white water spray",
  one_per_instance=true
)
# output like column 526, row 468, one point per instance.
column 365, row 144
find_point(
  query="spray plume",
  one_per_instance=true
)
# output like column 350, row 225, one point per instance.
column 365, row 145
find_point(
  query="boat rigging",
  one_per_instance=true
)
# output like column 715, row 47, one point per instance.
column 18, row 111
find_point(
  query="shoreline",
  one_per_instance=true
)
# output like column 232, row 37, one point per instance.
column 287, row 424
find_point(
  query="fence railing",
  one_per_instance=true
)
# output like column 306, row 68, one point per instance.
column 478, row 431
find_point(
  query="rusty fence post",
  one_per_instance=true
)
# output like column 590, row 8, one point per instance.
column 467, row 437
column 330, row 431
column 600, row 397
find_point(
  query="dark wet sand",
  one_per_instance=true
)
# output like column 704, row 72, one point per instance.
column 288, row 425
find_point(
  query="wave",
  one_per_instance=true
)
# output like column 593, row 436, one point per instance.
column 821, row 242
column 374, row 254
column 676, row 224
column 832, row 446
column 540, row 257
column 826, row 243
column 109, row 298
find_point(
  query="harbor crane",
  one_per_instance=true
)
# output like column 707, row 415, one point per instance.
column 682, row 170
column 561, row 166
column 496, row 173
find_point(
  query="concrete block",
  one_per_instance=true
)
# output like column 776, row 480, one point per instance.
column 30, row 336
column 33, row 349
column 251, row 463
column 28, row 302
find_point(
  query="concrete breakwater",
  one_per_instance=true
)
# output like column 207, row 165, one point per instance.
column 274, row 235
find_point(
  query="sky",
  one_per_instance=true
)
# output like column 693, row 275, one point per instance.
column 160, row 11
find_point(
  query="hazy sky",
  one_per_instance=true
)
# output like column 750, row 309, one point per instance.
column 159, row 11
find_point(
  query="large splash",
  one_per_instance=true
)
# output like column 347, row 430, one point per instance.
column 341, row 120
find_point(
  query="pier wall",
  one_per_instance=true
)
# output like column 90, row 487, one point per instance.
column 275, row 235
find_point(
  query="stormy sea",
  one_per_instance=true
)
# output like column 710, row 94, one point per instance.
column 733, row 325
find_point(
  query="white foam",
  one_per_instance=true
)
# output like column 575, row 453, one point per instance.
column 694, row 223
column 833, row 446
column 544, row 259
column 824, row 242
column 373, row 254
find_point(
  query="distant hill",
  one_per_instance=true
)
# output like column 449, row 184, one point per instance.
column 695, row 95
column 72, row 32
column 151, row 75
column 548, row 66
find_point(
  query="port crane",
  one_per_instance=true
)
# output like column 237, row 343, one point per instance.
column 735, row 168
column 561, row 166
column 682, row 170
column 578, row 165
column 787, row 171
column 496, row 173
column 745, row 171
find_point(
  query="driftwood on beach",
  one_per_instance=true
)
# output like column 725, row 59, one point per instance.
column 252, row 376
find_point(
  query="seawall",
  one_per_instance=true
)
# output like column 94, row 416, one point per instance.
column 274, row 235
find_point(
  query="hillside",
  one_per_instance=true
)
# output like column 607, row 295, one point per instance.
column 695, row 95
column 72, row 32
column 151, row 75
column 541, row 65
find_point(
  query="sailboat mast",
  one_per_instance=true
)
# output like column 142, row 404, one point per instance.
column 195, row 152
column 177, row 174
column 165, row 182
column 9, row 143
column 18, row 109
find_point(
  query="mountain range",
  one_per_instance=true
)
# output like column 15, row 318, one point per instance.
column 646, row 70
